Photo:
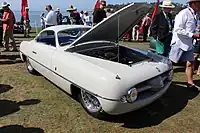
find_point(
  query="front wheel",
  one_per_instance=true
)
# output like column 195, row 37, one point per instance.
column 91, row 104
column 29, row 67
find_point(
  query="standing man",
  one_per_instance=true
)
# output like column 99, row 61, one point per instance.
column 8, row 21
column 162, row 26
column 145, row 25
column 99, row 13
column 59, row 17
column 26, row 22
column 87, row 19
column 42, row 22
column 71, row 10
column 74, row 16
column 182, row 48
column 82, row 16
column 51, row 17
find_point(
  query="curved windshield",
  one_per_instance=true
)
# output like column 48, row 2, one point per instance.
column 66, row 37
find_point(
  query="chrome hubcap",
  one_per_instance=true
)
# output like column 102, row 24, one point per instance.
column 91, row 102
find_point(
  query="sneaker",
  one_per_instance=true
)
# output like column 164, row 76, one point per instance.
column 193, row 87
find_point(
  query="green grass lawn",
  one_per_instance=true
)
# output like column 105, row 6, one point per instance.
column 36, row 104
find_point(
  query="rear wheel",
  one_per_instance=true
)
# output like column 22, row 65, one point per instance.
column 29, row 67
column 91, row 104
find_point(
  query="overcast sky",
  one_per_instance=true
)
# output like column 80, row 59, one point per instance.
column 38, row 5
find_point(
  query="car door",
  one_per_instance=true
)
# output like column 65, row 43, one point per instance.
column 43, row 51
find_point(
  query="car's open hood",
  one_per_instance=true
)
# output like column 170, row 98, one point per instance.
column 115, row 26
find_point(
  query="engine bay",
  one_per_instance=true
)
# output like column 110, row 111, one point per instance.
column 119, row 54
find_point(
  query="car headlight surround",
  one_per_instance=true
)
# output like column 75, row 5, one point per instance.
column 132, row 95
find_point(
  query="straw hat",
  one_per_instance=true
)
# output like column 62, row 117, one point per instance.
column 5, row 4
column 167, row 4
column 71, row 8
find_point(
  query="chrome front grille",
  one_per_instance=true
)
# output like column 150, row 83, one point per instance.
column 152, row 86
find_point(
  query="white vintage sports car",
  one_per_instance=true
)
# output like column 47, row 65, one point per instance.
column 88, row 63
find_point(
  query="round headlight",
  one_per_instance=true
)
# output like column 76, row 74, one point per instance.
column 132, row 95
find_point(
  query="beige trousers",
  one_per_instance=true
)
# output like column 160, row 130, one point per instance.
column 8, row 35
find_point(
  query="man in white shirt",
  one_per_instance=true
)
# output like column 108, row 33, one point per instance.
column 51, row 17
column 87, row 19
column 182, row 48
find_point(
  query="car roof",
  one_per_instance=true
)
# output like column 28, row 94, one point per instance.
column 58, row 28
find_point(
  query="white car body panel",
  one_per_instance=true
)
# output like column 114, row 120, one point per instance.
column 116, row 107
column 107, row 80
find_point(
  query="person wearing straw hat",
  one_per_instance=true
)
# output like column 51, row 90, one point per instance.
column 8, row 21
column 74, row 16
column 162, row 26
column 71, row 8
column 182, row 49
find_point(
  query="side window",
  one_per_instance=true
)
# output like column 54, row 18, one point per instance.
column 68, row 36
column 47, row 37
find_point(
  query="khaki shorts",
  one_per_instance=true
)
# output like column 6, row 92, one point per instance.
column 177, row 54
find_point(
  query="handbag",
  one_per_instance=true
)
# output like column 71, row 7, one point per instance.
column 159, row 46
